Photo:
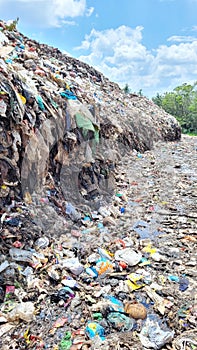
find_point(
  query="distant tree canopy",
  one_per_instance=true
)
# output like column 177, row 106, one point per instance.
column 126, row 89
column 182, row 104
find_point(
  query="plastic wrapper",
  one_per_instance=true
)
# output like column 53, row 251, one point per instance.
column 65, row 294
column 129, row 256
column 120, row 321
column 152, row 336
column 94, row 329
column 23, row 311
column 73, row 265
column 21, row 255
column 103, row 267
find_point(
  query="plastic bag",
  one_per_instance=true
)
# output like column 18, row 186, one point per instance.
column 72, row 212
column 94, row 329
column 183, row 284
column 21, row 255
column 65, row 294
column 114, row 304
column 73, row 265
column 3, row 107
column 66, row 342
column 152, row 336
column 120, row 321
column 128, row 255
column 23, row 311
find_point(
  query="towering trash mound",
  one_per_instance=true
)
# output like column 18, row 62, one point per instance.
column 64, row 123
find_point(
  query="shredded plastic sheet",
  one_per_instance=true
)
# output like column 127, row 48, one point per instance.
column 86, row 125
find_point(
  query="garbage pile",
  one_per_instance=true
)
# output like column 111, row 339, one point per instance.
column 98, row 212
column 59, row 112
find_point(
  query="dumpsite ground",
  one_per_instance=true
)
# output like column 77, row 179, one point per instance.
column 158, row 191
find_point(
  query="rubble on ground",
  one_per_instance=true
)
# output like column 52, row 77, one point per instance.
column 98, row 210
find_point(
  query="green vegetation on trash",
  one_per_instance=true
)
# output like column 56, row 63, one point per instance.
column 12, row 26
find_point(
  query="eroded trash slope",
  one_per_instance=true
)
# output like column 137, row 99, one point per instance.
column 122, row 277
column 62, row 118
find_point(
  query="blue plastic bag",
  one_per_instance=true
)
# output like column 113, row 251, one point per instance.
column 93, row 329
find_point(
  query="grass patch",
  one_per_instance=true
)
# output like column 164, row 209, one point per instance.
column 190, row 133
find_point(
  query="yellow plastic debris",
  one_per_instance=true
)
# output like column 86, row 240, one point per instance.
column 23, row 99
column 149, row 249
column 132, row 282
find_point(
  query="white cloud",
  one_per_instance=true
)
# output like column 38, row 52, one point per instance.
column 115, row 45
column 45, row 12
column 120, row 55
column 68, row 8
column 89, row 11
column 181, row 38
column 179, row 54
column 69, row 23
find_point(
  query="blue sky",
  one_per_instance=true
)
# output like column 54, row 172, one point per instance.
column 149, row 44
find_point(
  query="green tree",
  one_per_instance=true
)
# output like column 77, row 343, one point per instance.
column 169, row 104
column 181, row 103
column 126, row 89
column 140, row 92
column 158, row 100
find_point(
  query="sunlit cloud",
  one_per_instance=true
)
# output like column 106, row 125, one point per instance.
column 120, row 54
column 46, row 13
